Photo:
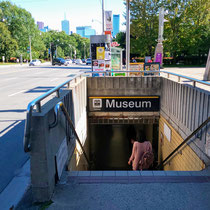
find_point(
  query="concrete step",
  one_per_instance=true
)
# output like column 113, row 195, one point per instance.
column 137, row 177
column 125, row 190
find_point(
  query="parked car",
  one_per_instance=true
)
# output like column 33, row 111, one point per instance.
column 78, row 61
column 35, row 62
column 59, row 61
column 88, row 61
column 68, row 61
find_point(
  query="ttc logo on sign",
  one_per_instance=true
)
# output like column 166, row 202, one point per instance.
column 97, row 103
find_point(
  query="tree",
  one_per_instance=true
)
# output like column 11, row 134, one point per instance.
column 8, row 45
column 144, row 26
column 22, row 26
column 120, row 38
column 187, row 32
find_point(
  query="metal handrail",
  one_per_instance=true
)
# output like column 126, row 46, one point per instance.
column 186, row 77
column 166, row 72
column 184, row 142
column 66, row 114
column 37, row 102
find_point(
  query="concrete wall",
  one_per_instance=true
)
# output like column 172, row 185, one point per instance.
column 124, row 86
column 185, row 160
column 79, row 93
column 185, row 108
column 45, row 144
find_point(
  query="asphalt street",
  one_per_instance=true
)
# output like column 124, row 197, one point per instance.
column 19, row 85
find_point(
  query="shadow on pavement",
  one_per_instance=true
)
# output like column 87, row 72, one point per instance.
column 12, row 155
column 40, row 89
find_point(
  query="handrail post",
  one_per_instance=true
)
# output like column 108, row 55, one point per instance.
column 63, row 108
column 58, row 93
column 184, row 142
column 38, row 107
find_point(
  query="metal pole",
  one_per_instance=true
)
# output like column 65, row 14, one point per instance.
column 84, row 50
column 102, row 16
column 30, row 48
column 127, row 35
column 50, row 52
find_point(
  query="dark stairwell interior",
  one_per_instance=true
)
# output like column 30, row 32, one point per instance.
column 110, row 146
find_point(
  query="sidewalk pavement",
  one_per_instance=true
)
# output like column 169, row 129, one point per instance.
column 128, row 190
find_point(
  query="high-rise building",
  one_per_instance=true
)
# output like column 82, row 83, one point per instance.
column 40, row 25
column 116, row 25
column 85, row 31
column 45, row 29
column 65, row 26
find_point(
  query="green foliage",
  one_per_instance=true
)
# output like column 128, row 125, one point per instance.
column 144, row 26
column 22, row 27
column 187, row 31
column 17, row 28
column 8, row 45
column 121, row 39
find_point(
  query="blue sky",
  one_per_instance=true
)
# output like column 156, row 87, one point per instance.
column 78, row 12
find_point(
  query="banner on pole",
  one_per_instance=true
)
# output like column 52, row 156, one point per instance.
column 108, row 20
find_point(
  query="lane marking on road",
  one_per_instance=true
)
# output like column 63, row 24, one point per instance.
column 54, row 79
column 39, row 72
column 16, row 93
column 10, row 78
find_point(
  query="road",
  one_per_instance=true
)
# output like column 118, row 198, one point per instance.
column 19, row 85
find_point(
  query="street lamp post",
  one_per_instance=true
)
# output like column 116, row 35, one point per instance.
column 159, row 47
column 50, row 52
column 128, row 34
column 102, row 16
column 30, row 48
column 71, row 51
column 84, row 50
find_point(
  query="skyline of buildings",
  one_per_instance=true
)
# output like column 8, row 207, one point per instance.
column 116, row 25
column 65, row 26
column 40, row 25
column 85, row 31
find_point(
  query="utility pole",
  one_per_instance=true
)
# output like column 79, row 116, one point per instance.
column 102, row 17
column 50, row 52
column 84, row 50
column 71, row 51
column 127, row 35
column 30, row 48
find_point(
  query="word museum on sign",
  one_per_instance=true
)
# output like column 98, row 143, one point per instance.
column 137, row 103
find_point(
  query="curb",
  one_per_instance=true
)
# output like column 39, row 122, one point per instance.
column 15, row 190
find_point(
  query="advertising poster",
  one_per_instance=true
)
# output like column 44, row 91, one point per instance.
column 158, row 58
column 98, row 65
column 136, row 67
column 108, row 65
column 108, row 20
column 100, row 53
